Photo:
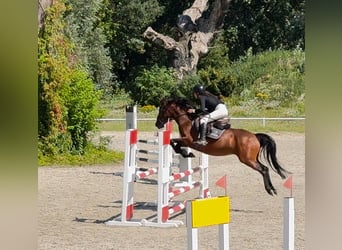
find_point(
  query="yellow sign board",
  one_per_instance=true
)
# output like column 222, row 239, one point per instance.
column 210, row 211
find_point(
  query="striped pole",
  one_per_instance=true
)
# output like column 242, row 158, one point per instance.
column 163, row 176
column 144, row 174
column 128, row 181
column 147, row 160
column 177, row 176
column 152, row 142
column 130, row 164
column 177, row 208
column 183, row 189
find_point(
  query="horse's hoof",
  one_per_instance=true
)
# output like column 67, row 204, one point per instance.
column 269, row 191
column 272, row 192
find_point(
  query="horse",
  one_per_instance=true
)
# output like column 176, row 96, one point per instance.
column 247, row 146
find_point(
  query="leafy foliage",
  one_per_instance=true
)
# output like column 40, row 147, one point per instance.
column 94, row 154
column 53, row 70
column 81, row 104
column 269, row 79
column 213, row 70
column 263, row 25
column 154, row 84
column 129, row 20
column 67, row 97
column 88, row 32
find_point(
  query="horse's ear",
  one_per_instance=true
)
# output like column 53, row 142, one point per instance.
column 188, row 106
column 188, row 103
column 163, row 101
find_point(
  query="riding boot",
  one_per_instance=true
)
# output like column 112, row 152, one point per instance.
column 203, row 131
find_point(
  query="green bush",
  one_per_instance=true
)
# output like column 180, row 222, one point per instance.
column 218, row 81
column 146, row 109
column 67, row 99
column 81, row 102
column 152, row 85
column 270, row 79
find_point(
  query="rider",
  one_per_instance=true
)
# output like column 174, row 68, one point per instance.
column 211, row 106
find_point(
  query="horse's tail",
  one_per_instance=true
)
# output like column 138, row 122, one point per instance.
column 269, row 149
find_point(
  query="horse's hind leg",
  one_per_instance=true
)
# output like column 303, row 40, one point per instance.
column 263, row 170
column 267, row 179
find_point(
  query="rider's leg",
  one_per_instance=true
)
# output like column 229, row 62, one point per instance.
column 203, row 129
column 221, row 111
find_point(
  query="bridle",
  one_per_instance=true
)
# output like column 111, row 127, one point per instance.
column 168, row 117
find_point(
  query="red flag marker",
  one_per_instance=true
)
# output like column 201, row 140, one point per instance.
column 222, row 182
column 288, row 184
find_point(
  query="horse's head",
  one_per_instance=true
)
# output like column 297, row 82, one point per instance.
column 171, row 108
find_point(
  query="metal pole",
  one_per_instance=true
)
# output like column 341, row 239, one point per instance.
column 224, row 237
column 191, row 232
column 289, row 223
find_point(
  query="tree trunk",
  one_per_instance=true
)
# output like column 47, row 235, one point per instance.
column 198, row 26
column 42, row 6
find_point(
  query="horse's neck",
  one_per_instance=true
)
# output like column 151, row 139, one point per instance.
column 184, row 125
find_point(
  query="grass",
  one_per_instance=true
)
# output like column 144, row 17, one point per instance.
column 94, row 155
column 297, row 126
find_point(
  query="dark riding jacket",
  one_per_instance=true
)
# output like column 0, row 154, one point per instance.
column 208, row 103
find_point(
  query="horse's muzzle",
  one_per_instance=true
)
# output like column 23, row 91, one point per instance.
column 159, row 124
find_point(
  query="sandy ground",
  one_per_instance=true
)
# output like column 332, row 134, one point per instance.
column 74, row 203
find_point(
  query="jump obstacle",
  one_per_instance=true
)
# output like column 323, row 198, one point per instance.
column 199, row 213
column 196, row 210
column 167, row 186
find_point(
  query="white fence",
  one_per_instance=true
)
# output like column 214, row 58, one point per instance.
column 262, row 119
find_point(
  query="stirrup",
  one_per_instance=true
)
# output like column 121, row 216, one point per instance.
column 201, row 142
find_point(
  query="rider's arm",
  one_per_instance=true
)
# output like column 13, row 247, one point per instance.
column 202, row 108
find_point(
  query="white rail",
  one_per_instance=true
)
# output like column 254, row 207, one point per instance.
column 263, row 119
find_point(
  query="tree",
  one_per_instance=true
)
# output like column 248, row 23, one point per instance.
column 128, row 19
column 85, row 29
column 67, row 100
column 53, row 71
column 198, row 26
column 263, row 25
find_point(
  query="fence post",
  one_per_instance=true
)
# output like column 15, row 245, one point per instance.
column 131, row 117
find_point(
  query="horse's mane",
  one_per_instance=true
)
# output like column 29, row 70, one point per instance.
column 179, row 101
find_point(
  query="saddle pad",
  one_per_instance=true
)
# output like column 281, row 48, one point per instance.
column 215, row 133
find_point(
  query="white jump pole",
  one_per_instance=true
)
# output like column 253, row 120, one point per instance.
column 224, row 236
column 289, row 223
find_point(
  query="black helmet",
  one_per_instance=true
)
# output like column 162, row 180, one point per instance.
column 198, row 89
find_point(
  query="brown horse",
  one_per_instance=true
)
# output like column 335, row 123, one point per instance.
column 245, row 145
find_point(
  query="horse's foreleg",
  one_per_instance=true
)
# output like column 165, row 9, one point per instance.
column 177, row 145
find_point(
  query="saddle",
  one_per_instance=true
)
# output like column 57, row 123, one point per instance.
column 215, row 128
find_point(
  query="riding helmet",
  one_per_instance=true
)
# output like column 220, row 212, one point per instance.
column 198, row 89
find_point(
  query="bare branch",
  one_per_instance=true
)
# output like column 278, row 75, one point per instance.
column 197, row 29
